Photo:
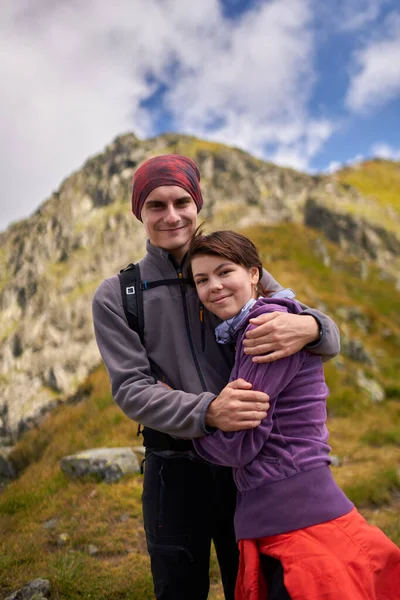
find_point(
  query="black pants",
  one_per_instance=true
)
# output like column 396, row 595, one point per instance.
column 273, row 573
column 186, row 504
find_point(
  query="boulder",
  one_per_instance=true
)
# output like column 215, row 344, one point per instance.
column 37, row 589
column 336, row 461
column 106, row 464
column 372, row 387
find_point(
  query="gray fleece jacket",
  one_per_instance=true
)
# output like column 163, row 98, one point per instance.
column 178, row 349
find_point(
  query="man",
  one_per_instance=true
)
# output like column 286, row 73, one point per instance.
column 186, row 501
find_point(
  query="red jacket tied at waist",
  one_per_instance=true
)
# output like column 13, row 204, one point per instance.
column 343, row 559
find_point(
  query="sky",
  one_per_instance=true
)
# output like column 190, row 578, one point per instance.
column 310, row 84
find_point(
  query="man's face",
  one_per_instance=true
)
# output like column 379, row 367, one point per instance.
column 169, row 215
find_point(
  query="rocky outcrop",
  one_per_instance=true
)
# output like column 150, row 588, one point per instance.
column 358, row 236
column 7, row 467
column 105, row 464
column 373, row 388
column 52, row 265
column 354, row 349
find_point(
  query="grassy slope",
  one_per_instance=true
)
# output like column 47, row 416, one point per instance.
column 364, row 435
column 379, row 180
column 107, row 516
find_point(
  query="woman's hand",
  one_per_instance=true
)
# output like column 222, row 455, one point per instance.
column 279, row 334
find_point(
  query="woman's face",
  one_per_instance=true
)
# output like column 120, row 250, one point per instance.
column 223, row 286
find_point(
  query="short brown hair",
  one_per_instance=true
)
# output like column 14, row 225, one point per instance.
column 230, row 245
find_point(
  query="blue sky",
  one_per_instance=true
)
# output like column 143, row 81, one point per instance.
column 311, row 84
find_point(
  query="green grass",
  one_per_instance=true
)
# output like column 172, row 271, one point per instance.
column 90, row 513
column 392, row 391
column 378, row 438
column 19, row 500
column 377, row 178
column 377, row 489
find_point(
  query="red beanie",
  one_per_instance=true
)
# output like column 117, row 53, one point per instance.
column 169, row 169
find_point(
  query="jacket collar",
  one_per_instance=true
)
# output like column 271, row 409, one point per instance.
column 158, row 252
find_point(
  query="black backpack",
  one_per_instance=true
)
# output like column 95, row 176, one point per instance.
column 132, row 288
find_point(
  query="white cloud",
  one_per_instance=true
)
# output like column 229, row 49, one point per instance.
column 75, row 74
column 353, row 15
column 376, row 78
column 378, row 150
column 383, row 150
column 256, row 85
column 297, row 150
column 333, row 166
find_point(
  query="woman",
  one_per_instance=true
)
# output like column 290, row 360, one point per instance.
column 289, row 506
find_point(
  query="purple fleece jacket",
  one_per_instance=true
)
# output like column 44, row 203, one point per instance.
column 281, row 468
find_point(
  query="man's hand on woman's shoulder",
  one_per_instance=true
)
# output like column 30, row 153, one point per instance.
column 279, row 334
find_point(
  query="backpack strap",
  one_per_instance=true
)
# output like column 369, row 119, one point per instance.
column 148, row 285
column 132, row 301
column 132, row 288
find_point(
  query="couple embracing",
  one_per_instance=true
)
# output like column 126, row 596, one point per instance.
column 244, row 464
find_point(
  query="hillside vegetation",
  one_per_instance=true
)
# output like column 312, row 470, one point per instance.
column 377, row 180
column 364, row 427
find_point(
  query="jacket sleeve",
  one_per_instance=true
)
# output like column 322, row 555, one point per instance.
column 134, row 389
column 328, row 345
column 239, row 448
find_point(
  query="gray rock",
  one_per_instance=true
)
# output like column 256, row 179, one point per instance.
column 322, row 252
column 107, row 464
column 359, row 236
column 123, row 518
column 51, row 523
column 34, row 590
column 355, row 350
column 372, row 387
column 364, row 270
column 335, row 460
column 355, row 316
column 92, row 550
column 7, row 469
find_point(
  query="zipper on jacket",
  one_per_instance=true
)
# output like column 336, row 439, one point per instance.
column 202, row 328
column 192, row 348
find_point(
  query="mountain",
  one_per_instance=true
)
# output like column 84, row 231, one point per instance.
column 334, row 239
column 52, row 262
